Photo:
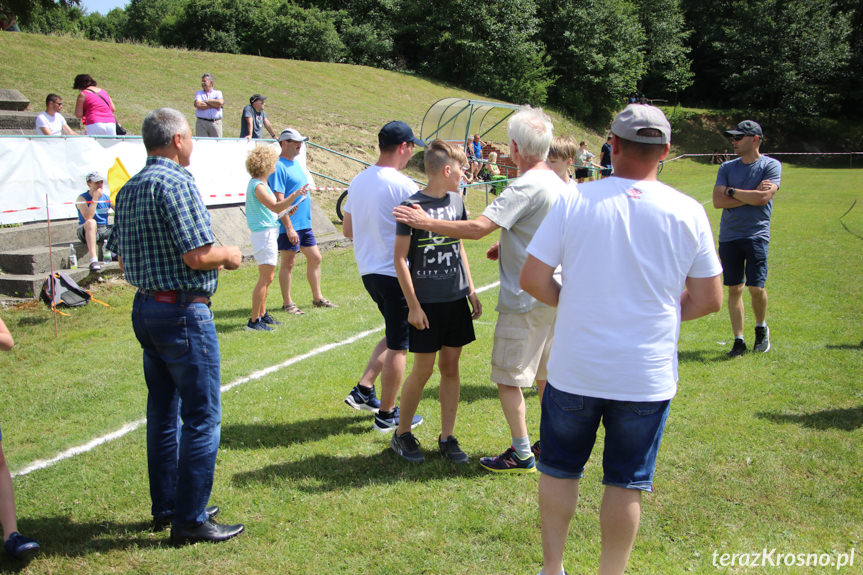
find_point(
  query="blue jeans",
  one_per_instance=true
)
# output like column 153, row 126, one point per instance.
column 181, row 368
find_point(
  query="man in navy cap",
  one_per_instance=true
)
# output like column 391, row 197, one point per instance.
column 369, row 221
column 744, row 191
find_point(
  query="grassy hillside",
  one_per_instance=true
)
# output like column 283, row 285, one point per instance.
column 336, row 105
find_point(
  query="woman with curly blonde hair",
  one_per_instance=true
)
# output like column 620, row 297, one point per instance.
column 262, row 216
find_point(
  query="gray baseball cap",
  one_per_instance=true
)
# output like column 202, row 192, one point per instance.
column 637, row 117
column 95, row 177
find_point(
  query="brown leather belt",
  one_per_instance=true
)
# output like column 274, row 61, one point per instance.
column 175, row 296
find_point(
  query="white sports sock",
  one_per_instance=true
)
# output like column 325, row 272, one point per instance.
column 522, row 446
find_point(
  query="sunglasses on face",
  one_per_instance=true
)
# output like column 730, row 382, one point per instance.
column 738, row 137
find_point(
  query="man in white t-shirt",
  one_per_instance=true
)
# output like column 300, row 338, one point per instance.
column 523, row 333
column 369, row 222
column 51, row 122
column 637, row 258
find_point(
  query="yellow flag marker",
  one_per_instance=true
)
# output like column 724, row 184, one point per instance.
column 117, row 177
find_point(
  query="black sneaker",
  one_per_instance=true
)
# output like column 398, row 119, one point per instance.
column 407, row 446
column 20, row 547
column 451, row 450
column 762, row 339
column 270, row 320
column 738, row 349
column 535, row 449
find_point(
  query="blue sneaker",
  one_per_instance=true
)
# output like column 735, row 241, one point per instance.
column 363, row 401
column 407, row 446
column 270, row 320
column 384, row 424
column 258, row 325
column 20, row 547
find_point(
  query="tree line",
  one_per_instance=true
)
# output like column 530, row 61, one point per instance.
column 791, row 60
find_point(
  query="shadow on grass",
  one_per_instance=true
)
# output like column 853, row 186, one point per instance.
column 847, row 419
column 845, row 346
column 700, row 355
column 324, row 473
column 60, row 537
column 257, row 435
column 469, row 393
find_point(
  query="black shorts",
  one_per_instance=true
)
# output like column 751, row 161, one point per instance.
column 582, row 173
column 387, row 293
column 450, row 325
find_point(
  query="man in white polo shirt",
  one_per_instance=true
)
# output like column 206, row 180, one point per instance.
column 51, row 122
column 208, row 109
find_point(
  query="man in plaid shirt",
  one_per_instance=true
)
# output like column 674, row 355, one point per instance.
column 163, row 236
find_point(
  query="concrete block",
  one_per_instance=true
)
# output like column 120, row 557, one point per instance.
column 13, row 100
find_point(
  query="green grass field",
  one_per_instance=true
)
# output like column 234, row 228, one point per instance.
column 760, row 452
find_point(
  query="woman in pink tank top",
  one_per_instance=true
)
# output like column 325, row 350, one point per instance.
column 94, row 107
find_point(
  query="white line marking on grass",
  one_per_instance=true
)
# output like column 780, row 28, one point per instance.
column 130, row 427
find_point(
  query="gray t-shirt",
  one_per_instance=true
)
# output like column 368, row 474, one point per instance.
column 437, row 267
column 747, row 221
column 257, row 122
column 519, row 210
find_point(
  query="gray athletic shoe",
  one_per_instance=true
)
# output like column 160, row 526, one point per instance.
column 762, row 339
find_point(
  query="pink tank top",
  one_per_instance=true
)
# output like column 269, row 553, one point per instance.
column 96, row 110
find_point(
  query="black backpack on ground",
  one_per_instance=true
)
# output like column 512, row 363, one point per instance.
column 61, row 290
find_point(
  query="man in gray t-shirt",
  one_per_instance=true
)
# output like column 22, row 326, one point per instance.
column 744, row 191
column 524, row 327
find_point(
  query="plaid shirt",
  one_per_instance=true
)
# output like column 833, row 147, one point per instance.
column 158, row 217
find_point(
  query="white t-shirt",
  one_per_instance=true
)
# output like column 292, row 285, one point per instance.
column 519, row 210
column 626, row 248
column 53, row 123
column 372, row 196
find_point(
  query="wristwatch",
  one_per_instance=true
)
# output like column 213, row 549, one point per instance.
column 730, row 192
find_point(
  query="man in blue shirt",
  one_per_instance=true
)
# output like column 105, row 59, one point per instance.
column 93, row 206
column 163, row 237
column 295, row 230
column 744, row 191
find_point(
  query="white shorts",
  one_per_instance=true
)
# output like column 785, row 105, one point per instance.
column 101, row 129
column 264, row 247
column 522, row 342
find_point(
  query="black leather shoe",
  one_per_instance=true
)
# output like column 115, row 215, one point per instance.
column 160, row 523
column 209, row 531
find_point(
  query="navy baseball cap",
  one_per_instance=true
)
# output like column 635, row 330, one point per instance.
column 257, row 97
column 746, row 128
column 395, row 133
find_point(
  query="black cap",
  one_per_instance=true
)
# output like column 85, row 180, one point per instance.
column 257, row 97
column 396, row 133
column 746, row 128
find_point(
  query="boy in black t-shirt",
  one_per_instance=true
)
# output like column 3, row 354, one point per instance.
column 435, row 278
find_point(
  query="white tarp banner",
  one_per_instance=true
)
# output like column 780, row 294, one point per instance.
column 54, row 167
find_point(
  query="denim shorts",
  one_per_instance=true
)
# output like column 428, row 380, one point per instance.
column 307, row 240
column 746, row 255
column 633, row 432
column 387, row 293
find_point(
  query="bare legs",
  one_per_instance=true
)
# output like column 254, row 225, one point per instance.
column 313, row 272
column 736, row 309
column 619, row 518
column 262, row 288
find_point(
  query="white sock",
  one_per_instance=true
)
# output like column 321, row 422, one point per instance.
column 522, row 446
